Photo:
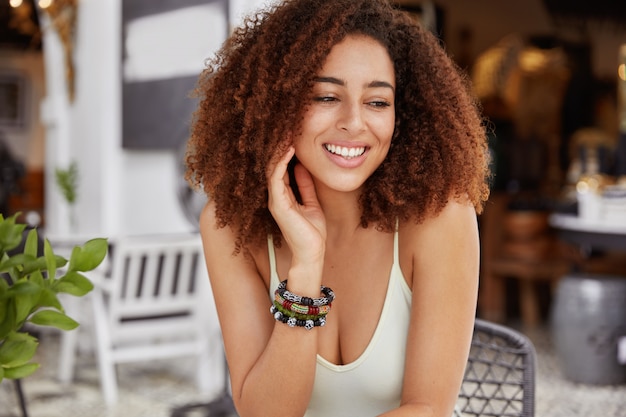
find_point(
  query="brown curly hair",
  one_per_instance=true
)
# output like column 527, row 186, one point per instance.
column 257, row 86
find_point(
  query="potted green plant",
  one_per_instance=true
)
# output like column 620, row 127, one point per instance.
column 30, row 279
column 67, row 181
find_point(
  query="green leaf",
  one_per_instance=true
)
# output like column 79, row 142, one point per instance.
column 14, row 261
column 4, row 288
column 3, row 310
column 21, row 371
column 51, row 264
column 8, row 324
column 24, row 287
column 36, row 277
column 24, row 305
column 73, row 283
column 89, row 256
column 67, row 181
column 61, row 261
column 10, row 233
column 17, row 349
column 30, row 247
column 41, row 263
column 54, row 319
column 49, row 298
column 4, row 301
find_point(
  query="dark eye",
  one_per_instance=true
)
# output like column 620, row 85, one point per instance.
column 324, row 99
column 379, row 103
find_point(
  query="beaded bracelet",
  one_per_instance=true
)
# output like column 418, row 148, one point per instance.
column 302, row 309
column 286, row 312
column 328, row 298
column 294, row 322
column 298, row 311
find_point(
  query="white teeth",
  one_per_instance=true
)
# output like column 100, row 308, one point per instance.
column 344, row 151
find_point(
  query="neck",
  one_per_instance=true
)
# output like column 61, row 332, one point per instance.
column 342, row 213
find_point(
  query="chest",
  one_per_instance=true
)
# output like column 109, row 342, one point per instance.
column 359, row 275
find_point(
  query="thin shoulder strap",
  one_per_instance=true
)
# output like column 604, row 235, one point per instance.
column 396, row 251
column 274, row 281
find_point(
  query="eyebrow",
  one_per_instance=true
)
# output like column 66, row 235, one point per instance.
column 337, row 81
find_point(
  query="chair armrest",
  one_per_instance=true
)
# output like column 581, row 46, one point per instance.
column 100, row 279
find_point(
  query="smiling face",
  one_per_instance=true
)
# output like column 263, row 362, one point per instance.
column 347, row 127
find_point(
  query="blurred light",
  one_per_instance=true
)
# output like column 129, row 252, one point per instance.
column 44, row 4
column 33, row 218
column 15, row 3
column 621, row 71
column 532, row 59
column 582, row 187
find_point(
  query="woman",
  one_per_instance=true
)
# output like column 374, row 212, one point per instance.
column 341, row 149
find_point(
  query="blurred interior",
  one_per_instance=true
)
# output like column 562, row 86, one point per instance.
column 548, row 73
column 80, row 83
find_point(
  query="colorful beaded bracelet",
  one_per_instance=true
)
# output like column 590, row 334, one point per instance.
column 298, row 311
column 294, row 322
column 328, row 298
column 302, row 309
column 286, row 312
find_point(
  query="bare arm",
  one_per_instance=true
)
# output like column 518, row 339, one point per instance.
column 272, row 365
column 445, row 285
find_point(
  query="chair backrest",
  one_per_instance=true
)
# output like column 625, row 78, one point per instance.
column 500, row 374
column 156, row 286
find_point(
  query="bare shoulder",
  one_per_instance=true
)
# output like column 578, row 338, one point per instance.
column 208, row 219
column 450, row 236
column 214, row 236
column 219, row 246
column 457, row 218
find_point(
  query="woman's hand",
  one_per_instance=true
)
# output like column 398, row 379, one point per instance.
column 303, row 225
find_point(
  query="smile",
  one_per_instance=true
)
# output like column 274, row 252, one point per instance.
column 345, row 152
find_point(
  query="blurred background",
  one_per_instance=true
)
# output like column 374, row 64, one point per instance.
column 105, row 86
column 94, row 104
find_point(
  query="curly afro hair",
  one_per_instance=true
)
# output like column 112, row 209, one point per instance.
column 257, row 86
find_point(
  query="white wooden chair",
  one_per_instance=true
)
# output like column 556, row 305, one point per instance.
column 154, row 304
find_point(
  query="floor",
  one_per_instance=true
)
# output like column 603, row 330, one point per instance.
column 159, row 389
column 558, row 397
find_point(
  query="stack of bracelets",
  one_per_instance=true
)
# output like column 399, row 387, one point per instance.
column 298, row 311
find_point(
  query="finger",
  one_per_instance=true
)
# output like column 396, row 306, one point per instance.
column 304, row 180
column 278, row 166
column 280, row 194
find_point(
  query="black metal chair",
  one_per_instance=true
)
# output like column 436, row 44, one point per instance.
column 500, row 374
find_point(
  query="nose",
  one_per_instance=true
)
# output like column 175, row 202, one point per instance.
column 351, row 118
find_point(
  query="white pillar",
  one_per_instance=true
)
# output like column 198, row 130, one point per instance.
column 56, row 115
column 97, row 118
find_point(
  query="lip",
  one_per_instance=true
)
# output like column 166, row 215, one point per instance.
column 347, row 163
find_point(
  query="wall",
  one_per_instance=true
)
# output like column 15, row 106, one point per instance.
column 121, row 192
